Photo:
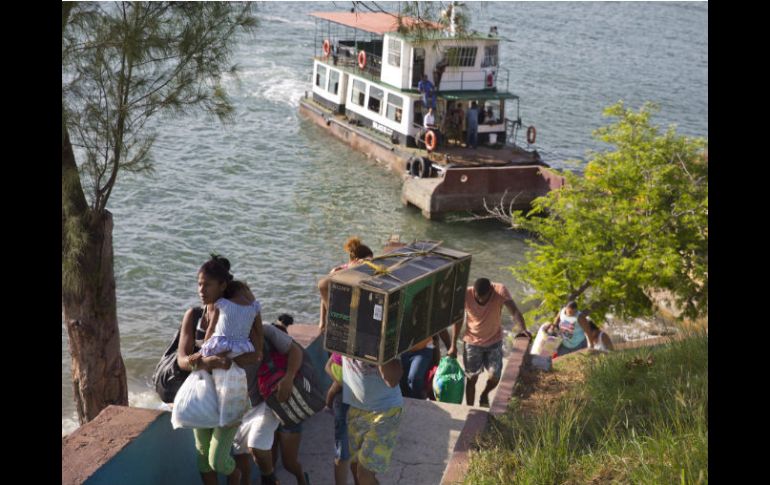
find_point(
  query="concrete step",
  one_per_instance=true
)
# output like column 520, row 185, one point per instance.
column 427, row 436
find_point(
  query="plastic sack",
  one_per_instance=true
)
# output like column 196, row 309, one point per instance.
column 232, row 394
column 545, row 345
column 196, row 404
column 449, row 381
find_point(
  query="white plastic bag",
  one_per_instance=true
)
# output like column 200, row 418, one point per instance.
column 196, row 404
column 232, row 394
column 545, row 345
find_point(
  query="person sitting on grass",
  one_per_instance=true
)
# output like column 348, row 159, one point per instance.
column 572, row 325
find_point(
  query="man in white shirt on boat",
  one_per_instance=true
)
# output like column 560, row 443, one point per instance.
column 429, row 121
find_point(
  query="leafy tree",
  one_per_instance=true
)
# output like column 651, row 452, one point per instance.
column 122, row 64
column 636, row 221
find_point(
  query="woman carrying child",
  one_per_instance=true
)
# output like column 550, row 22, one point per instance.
column 235, row 336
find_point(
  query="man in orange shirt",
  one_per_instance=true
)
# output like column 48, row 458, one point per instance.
column 483, row 339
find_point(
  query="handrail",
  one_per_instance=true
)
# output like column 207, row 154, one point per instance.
column 473, row 80
column 371, row 71
column 512, row 129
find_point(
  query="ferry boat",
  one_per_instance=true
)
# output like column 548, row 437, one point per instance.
column 367, row 71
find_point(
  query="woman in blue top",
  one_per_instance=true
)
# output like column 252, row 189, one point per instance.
column 572, row 326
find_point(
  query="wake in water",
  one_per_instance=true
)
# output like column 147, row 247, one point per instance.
column 147, row 399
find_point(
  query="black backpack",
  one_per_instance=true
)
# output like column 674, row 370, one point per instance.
column 168, row 376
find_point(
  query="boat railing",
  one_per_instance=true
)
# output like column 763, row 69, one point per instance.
column 474, row 80
column 511, row 130
column 347, row 59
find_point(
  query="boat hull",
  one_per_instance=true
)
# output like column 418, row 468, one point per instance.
column 457, row 188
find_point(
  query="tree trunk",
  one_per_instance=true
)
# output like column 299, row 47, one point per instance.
column 98, row 372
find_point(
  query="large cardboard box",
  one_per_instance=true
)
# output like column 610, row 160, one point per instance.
column 381, row 310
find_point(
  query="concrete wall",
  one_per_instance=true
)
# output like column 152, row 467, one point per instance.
column 135, row 446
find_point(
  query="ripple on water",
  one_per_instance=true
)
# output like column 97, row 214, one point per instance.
column 275, row 195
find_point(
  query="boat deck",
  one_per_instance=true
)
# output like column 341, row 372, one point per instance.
column 485, row 156
column 455, row 154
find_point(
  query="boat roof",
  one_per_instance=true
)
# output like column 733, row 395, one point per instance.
column 375, row 22
column 475, row 95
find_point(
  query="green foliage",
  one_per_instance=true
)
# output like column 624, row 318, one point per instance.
column 637, row 220
column 124, row 62
column 641, row 416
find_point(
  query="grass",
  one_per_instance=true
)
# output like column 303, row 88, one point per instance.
column 638, row 416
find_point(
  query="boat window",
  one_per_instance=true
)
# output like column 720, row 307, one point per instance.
column 461, row 56
column 395, row 104
column 358, row 93
column 490, row 56
column 375, row 99
column 320, row 76
column 334, row 81
column 394, row 52
column 417, row 110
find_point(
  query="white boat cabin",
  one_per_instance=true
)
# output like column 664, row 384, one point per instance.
column 365, row 68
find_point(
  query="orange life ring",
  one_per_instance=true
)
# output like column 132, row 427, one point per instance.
column 490, row 79
column 362, row 59
column 531, row 135
column 430, row 140
column 327, row 48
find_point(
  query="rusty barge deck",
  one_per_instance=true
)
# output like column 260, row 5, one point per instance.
column 456, row 179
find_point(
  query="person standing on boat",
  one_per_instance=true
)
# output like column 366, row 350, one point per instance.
column 472, row 124
column 483, row 339
column 429, row 122
column 455, row 125
column 425, row 87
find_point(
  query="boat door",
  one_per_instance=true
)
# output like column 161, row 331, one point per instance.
column 418, row 65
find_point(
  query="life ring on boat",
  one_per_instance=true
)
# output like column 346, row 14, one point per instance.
column 327, row 48
column 361, row 59
column 531, row 135
column 490, row 79
column 430, row 140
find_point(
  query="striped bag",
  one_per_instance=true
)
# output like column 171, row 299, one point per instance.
column 305, row 399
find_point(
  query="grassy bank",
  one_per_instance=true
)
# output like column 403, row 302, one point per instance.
column 636, row 416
